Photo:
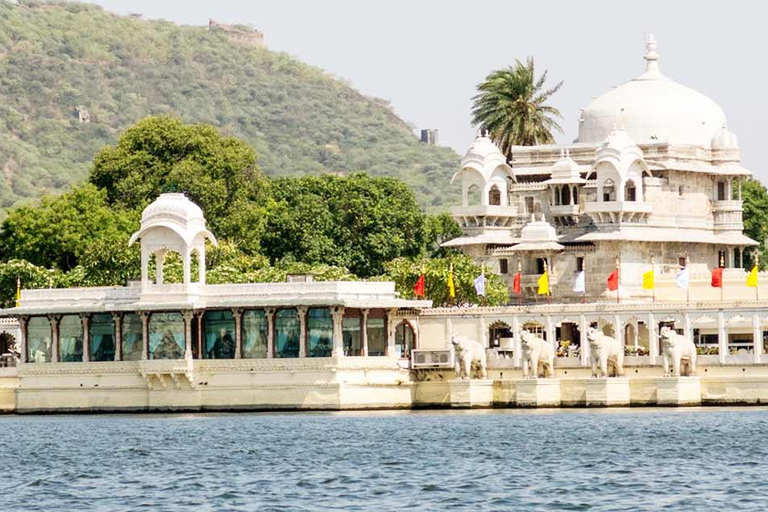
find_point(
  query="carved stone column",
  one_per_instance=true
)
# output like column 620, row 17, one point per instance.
column 188, row 316
column 722, row 338
column 483, row 334
column 199, row 340
column 584, row 341
column 237, row 313
column 54, row 321
column 687, row 331
column 85, row 318
column 270, row 314
column 517, row 356
column 757, row 337
column 118, row 319
column 24, row 341
column 144, row 315
column 302, row 313
column 365, row 312
column 391, row 326
column 551, row 334
column 653, row 339
column 618, row 331
column 338, row 338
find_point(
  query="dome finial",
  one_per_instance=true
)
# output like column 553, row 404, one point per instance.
column 651, row 56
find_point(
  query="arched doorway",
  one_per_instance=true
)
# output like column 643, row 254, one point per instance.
column 500, row 335
column 494, row 196
column 405, row 339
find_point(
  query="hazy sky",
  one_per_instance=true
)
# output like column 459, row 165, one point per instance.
column 426, row 57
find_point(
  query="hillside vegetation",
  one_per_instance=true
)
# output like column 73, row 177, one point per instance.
column 55, row 57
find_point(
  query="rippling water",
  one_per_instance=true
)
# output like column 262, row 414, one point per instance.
column 487, row 460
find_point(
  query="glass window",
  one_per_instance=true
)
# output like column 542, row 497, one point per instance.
column 319, row 332
column 255, row 332
column 494, row 196
column 71, row 338
column 404, row 340
column 503, row 266
column 352, row 332
column 219, row 329
column 376, row 325
column 133, row 337
column 166, row 336
column 39, row 340
column 102, row 337
column 286, row 333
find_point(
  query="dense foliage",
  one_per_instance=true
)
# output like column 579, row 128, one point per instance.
column 512, row 105
column 755, row 198
column 299, row 119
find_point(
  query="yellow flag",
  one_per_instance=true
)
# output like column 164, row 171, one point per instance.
column 451, row 289
column 18, row 292
column 752, row 278
column 544, row 283
column 648, row 280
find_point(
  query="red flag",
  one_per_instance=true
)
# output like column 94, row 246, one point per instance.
column 613, row 280
column 418, row 288
column 717, row 277
column 516, row 286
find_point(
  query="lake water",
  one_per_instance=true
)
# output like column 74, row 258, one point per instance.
column 639, row 459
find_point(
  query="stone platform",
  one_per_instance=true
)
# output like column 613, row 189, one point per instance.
column 468, row 393
column 678, row 391
column 537, row 393
column 607, row 392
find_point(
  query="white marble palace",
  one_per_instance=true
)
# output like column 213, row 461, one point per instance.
column 654, row 176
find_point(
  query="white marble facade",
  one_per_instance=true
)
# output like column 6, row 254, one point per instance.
column 654, row 175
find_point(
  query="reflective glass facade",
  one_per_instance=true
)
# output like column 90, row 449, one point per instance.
column 219, row 335
column 286, row 333
column 352, row 332
column 39, row 340
column 319, row 332
column 255, row 333
column 133, row 337
column 102, row 337
column 166, row 336
column 71, row 338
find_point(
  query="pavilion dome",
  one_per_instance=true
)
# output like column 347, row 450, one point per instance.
column 485, row 157
column 652, row 108
column 725, row 139
column 177, row 213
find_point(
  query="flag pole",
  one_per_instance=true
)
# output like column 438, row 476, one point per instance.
column 687, row 288
column 549, row 291
column 520, row 273
column 482, row 273
column 757, row 266
column 653, row 274
column 584, row 292
column 722, row 277
column 618, row 278
column 450, row 280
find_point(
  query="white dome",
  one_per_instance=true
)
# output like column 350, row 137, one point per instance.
column 175, row 206
column 725, row 139
column 652, row 108
column 484, row 157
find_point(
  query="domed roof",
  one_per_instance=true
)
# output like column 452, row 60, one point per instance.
column 652, row 108
column 725, row 139
column 485, row 157
column 175, row 206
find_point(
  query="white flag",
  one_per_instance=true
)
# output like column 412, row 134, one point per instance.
column 480, row 285
column 682, row 278
column 580, row 285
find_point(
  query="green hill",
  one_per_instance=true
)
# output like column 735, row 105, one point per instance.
column 57, row 57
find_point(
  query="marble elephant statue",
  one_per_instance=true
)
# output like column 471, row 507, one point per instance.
column 676, row 348
column 605, row 351
column 468, row 352
column 536, row 351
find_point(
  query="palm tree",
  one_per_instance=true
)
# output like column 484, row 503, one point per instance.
column 511, row 106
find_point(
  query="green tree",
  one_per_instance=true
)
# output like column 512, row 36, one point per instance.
column 63, row 229
column 755, row 197
column 441, row 228
column 511, row 104
column 162, row 154
column 357, row 222
column 405, row 272
column 30, row 276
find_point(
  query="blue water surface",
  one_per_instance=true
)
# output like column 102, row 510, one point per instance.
column 639, row 459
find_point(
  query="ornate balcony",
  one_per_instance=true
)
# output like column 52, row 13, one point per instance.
column 728, row 215
column 485, row 216
column 614, row 212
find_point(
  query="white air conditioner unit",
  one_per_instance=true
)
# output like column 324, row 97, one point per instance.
column 432, row 358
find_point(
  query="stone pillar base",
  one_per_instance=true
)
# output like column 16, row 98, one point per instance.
column 678, row 391
column 607, row 392
column 537, row 392
column 468, row 393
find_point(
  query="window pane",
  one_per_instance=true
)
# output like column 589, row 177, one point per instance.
column 377, row 336
column 102, row 338
column 166, row 336
column 71, row 338
column 133, row 337
column 219, row 329
column 319, row 332
column 255, row 332
column 39, row 340
column 286, row 333
column 352, row 335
